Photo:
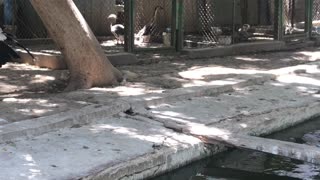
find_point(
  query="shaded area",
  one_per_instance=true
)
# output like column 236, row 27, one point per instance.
column 110, row 143
column 244, row 164
column 156, row 74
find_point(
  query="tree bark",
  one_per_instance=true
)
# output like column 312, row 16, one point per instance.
column 86, row 61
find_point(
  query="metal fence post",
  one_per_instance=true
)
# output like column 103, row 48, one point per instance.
column 233, row 21
column 278, row 28
column 129, row 32
column 309, row 17
column 174, row 19
column 179, row 31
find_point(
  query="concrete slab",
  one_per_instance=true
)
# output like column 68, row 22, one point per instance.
column 112, row 148
column 55, row 60
column 137, row 147
column 98, row 105
column 102, row 147
column 122, row 59
column 29, row 107
column 136, row 96
column 75, row 117
column 290, row 99
column 107, row 147
column 235, row 49
column 244, row 48
column 249, row 101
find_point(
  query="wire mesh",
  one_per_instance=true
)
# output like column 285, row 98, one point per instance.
column 27, row 22
column 210, row 23
column 29, row 29
column 254, row 21
column 316, row 18
column 205, row 25
column 102, row 16
column 294, row 16
column 153, row 23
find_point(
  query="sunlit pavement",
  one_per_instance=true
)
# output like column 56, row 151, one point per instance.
column 134, row 143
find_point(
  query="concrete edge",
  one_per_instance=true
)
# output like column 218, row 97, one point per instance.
column 245, row 48
column 38, row 126
column 41, row 125
column 153, row 164
column 56, row 62
column 150, row 165
column 295, row 115
column 186, row 93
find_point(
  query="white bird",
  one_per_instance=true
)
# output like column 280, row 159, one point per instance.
column 116, row 29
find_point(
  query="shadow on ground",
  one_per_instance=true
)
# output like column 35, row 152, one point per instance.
column 29, row 92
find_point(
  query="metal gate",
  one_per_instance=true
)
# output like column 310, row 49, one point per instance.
column 211, row 23
column 152, row 25
column 295, row 14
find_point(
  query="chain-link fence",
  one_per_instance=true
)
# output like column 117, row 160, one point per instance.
column 294, row 16
column 209, row 23
column 29, row 29
column 316, row 18
column 153, row 23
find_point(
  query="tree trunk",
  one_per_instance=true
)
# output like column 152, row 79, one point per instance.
column 86, row 61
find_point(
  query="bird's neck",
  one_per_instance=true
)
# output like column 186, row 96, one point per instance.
column 155, row 16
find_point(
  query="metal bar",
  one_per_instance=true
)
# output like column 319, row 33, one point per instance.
column 174, row 20
column 309, row 18
column 278, row 19
column 180, row 30
column 162, row 49
column 132, row 19
column 233, row 20
column 259, row 10
column 244, row 12
column 128, row 43
column 293, row 12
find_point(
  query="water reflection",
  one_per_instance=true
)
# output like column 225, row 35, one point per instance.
column 244, row 164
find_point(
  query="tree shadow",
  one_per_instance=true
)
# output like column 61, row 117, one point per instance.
column 158, row 74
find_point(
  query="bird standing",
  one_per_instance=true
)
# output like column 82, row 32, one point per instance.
column 149, row 28
column 116, row 29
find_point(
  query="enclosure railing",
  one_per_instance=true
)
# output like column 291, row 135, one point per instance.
column 315, row 18
column 178, row 24
column 211, row 23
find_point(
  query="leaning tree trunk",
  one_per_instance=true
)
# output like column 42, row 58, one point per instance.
column 84, row 57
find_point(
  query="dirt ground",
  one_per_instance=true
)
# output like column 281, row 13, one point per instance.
column 41, row 88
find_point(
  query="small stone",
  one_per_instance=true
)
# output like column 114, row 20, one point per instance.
column 76, row 126
column 130, row 76
column 3, row 121
column 300, row 71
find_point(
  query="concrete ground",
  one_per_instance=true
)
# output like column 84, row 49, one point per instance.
column 120, row 132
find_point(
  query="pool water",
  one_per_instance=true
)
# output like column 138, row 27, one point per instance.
column 239, row 164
